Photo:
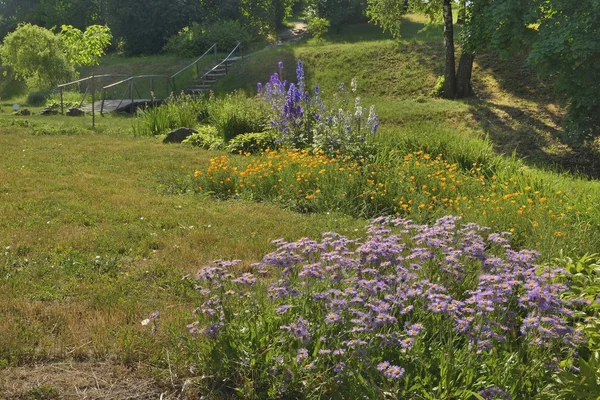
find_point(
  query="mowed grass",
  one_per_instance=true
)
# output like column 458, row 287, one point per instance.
column 96, row 233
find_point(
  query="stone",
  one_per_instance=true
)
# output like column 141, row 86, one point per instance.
column 179, row 135
column 75, row 112
column 23, row 112
column 48, row 111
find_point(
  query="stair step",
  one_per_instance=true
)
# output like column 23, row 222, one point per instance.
column 234, row 58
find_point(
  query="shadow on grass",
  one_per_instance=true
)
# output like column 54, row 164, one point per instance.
column 535, row 135
column 515, row 77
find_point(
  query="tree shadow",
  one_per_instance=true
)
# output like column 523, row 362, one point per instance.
column 534, row 134
column 515, row 77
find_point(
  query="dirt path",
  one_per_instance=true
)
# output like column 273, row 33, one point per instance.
column 292, row 34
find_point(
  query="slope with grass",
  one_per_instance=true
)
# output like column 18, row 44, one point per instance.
column 97, row 227
column 512, row 106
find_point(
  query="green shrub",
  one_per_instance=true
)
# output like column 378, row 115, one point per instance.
column 38, row 98
column 195, row 39
column 318, row 27
column 207, row 138
column 236, row 114
column 253, row 142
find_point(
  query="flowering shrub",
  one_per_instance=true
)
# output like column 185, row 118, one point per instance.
column 408, row 311
column 303, row 120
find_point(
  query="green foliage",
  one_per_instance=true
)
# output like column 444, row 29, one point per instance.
column 176, row 112
column 195, row 39
column 207, row 138
column 583, row 380
column 318, row 27
column 38, row 56
column 251, row 143
column 337, row 12
column 438, row 89
column 559, row 38
column 236, row 114
column 45, row 59
column 263, row 17
column 38, row 98
column 144, row 26
column 387, row 13
column 85, row 48
column 568, row 50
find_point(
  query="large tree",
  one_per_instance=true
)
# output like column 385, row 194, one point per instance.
column 388, row 13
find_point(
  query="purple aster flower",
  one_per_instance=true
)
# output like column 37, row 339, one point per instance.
column 339, row 367
column 382, row 366
column 302, row 355
column 282, row 309
column 394, row 372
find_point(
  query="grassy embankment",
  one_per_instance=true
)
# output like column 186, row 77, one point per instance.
column 96, row 232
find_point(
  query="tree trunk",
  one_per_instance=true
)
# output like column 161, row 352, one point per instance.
column 405, row 5
column 463, row 75
column 449, row 73
column 462, row 12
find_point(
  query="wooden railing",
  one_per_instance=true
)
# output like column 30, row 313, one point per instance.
column 131, row 89
column 90, row 88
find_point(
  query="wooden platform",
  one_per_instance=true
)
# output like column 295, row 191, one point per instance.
column 119, row 105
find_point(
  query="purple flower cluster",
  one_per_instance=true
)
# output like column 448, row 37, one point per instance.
column 304, row 121
column 343, row 301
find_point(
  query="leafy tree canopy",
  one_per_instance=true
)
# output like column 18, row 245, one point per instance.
column 45, row 59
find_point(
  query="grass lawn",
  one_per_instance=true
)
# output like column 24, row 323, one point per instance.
column 93, row 239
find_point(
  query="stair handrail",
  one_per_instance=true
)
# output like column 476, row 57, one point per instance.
column 213, row 48
column 222, row 62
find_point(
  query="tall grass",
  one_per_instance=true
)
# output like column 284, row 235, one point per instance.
column 237, row 114
column 176, row 112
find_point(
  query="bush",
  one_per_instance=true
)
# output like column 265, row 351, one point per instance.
column 38, row 97
column 318, row 27
column 236, row 114
column 195, row 39
column 207, row 138
column 253, row 142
